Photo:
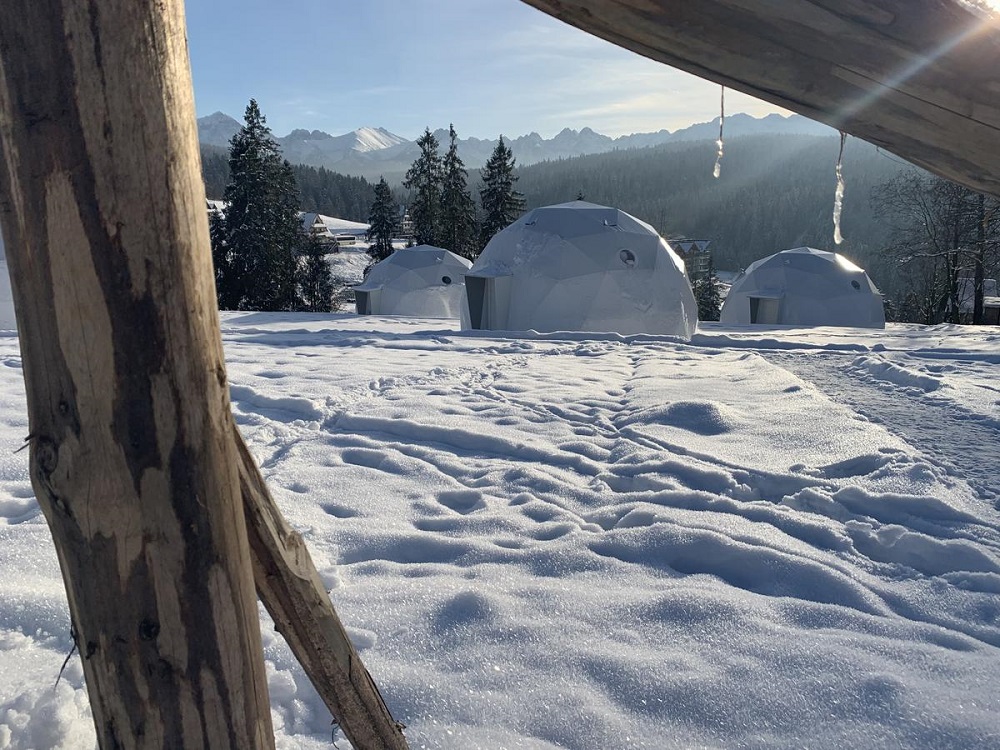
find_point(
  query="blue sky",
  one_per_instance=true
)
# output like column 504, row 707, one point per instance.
column 490, row 67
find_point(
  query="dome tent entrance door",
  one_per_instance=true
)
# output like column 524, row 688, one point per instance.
column 765, row 310
column 489, row 301
column 367, row 301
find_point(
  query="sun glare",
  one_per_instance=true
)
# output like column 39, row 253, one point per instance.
column 990, row 6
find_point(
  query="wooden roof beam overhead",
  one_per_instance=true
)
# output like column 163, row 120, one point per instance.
column 920, row 78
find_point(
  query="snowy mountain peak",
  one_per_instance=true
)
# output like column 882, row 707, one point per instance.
column 375, row 139
column 361, row 140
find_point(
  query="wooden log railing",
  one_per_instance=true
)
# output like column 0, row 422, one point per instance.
column 920, row 78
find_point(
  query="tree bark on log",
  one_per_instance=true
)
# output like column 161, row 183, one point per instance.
column 920, row 78
column 134, row 455
column 131, row 454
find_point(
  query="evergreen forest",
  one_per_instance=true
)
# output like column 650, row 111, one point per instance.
column 773, row 193
column 320, row 190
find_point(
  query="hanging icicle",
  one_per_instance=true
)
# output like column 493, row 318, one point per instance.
column 718, row 144
column 838, row 199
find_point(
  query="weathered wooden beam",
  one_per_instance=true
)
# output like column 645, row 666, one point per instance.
column 920, row 78
column 131, row 456
column 135, row 458
column 294, row 595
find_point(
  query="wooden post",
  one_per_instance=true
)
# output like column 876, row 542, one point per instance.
column 917, row 77
column 132, row 458
column 135, row 458
column 293, row 593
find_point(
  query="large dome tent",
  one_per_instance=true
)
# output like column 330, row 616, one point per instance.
column 421, row 282
column 804, row 287
column 579, row 266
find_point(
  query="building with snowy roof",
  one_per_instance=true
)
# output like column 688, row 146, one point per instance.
column 580, row 267
column 421, row 282
column 804, row 287
column 328, row 229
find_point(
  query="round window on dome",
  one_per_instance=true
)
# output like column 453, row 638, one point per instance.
column 446, row 279
column 855, row 284
column 627, row 257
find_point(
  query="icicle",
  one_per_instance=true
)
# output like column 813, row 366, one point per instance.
column 722, row 120
column 838, row 199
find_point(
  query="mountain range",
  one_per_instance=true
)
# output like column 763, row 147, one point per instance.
column 371, row 152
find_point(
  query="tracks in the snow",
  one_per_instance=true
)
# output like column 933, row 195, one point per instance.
column 965, row 446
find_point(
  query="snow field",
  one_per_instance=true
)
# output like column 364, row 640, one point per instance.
column 573, row 541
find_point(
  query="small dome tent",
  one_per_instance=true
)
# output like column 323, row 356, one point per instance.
column 580, row 267
column 804, row 287
column 422, row 282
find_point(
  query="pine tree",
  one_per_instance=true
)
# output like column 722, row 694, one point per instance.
column 382, row 222
column 424, row 176
column 256, row 245
column 502, row 204
column 225, row 276
column 458, row 210
column 708, row 293
column 316, row 287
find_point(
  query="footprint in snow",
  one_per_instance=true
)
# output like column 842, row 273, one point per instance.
column 462, row 501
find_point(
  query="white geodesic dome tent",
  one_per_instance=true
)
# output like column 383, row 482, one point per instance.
column 804, row 287
column 422, row 282
column 580, row 267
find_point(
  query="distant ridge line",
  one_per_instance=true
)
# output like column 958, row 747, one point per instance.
column 373, row 151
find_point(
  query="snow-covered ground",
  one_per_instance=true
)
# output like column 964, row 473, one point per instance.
column 770, row 538
column 349, row 264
